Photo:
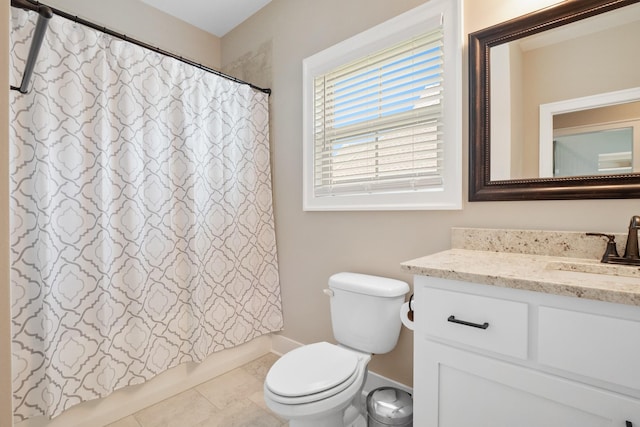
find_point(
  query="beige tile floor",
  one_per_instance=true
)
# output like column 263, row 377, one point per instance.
column 230, row 400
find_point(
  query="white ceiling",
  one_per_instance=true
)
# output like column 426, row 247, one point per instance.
column 217, row 17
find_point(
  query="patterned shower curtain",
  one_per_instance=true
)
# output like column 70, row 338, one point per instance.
column 142, row 232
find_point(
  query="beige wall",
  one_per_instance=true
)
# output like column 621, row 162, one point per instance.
column 313, row 245
column 147, row 24
column 608, row 114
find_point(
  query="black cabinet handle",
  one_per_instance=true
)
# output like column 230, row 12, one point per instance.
column 453, row 319
column 629, row 424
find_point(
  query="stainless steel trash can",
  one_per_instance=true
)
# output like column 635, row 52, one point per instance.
column 389, row 406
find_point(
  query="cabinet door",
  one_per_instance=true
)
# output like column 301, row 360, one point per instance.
column 456, row 388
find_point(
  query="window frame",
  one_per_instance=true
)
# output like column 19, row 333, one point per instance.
column 396, row 30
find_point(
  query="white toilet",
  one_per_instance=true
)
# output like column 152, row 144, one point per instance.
column 314, row 385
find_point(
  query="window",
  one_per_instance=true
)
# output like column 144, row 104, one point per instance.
column 382, row 116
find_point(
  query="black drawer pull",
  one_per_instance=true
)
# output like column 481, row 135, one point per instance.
column 629, row 424
column 453, row 319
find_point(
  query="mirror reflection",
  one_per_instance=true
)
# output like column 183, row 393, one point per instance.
column 566, row 102
column 597, row 141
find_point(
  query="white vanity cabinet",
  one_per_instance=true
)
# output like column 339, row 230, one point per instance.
column 488, row 356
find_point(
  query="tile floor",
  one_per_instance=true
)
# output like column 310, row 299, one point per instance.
column 230, row 400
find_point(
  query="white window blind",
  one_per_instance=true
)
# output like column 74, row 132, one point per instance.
column 378, row 121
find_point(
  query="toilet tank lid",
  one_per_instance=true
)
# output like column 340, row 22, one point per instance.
column 368, row 285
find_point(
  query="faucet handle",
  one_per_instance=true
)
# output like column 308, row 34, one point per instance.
column 611, row 250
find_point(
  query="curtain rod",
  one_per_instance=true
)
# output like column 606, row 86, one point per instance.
column 34, row 5
column 44, row 14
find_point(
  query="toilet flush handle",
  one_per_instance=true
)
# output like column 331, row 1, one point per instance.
column 328, row 292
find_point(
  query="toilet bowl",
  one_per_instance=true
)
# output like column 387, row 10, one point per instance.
column 313, row 385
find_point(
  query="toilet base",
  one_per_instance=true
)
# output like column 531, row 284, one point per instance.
column 343, row 418
column 354, row 418
column 329, row 421
column 359, row 422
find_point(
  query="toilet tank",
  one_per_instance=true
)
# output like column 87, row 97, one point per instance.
column 365, row 311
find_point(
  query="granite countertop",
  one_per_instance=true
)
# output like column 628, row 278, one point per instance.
column 507, row 266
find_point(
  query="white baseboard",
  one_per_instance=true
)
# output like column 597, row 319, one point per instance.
column 129, row 400
column 281, row 344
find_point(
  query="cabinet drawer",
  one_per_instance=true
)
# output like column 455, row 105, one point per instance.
column 596, row 346
column 506, row 332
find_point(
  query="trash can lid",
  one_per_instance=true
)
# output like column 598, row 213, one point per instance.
column 390, row 406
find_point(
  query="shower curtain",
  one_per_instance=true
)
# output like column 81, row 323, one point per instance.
column 142, row 232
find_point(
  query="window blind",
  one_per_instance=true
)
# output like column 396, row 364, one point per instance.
column 378, row 121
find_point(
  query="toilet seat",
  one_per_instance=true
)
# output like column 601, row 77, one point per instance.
column 312, row 372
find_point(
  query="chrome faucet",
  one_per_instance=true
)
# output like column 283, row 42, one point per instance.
column 631, row 250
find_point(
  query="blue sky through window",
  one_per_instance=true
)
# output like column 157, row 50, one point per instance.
column 380, row 91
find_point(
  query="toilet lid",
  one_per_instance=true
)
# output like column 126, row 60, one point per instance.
column 311, row 369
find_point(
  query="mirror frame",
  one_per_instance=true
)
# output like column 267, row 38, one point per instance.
column 481, row 188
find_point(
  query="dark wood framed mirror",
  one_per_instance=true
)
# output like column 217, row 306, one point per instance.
column 499, row 122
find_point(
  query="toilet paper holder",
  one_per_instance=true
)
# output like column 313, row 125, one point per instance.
column 410, row 313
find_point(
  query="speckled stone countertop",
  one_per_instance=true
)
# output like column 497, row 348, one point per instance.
column 551, row 262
